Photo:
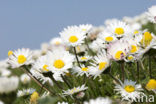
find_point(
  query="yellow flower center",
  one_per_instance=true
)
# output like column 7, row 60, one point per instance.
column 84, row 29
column 83, row 58
column 151, row 85
column 129, row 88
column 84, row 69
column 73, row 39
column 133, row 48
column 45, row 68
column 59, row 64
column 102, row 65
column 57, row 43
column 21, row 59
column 109, row 39
column 119, row 31
column 147, row 38
column 10, row 53
column 34, row 97
column 130, row 57
column 119, row 54
column 136, row 32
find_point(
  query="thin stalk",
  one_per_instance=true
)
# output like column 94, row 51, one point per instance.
column 38, row 82
column 138, row 71
column 77, row 57
column 150, row 68
column 67, row 82
column 123, row 70
column 52, row 78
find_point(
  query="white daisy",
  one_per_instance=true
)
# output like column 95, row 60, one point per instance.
column 99, row 100
column 42, row 64
column 8, row 84
column 130, row 58
column 84, row 58
column 119, row 28
column 152, row 14
column 107, row 37
column 5, row 72
column 4, row 64
column 118, row 50
column 1, row 102
column 24, row 92
column 101, row 62
column 85, row 28
column 61, row 61
column 129, row 90
column 81, row 71
column 25, row 78
column 41, row 77
column 74, row 90
column 56, row 41
column 20, row 57
column 73, row 36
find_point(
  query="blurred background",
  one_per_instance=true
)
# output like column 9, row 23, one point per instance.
column 28, row 23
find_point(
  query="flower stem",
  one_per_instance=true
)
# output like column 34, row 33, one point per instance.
column 123, row 70
column 150, row 68
column 67, row 82
column 35, row 79
column 138, row 71
column 77, row 57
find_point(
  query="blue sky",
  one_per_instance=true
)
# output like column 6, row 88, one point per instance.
column 28, row 23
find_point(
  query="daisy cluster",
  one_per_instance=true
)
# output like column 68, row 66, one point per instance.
column 87, row 64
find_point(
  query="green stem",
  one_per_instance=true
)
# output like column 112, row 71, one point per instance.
column 123, row 70
column 65, row 80
column 138, row 71
column 150, row 68
column 77, row 57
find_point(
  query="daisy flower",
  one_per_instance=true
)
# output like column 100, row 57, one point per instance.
column 152, row 14
column 41, row 77
column 151, row 85
column 107, row 37
column 84, row 58
column 25, row 78
column 24, row 92
column 129, row 90
column 20, row 57
column 101, row 62
column 61, row 61
column 119, row 28
column 42, row 64
column 81, row 71
column 74, row 90
column 8, row 84
column 5, row 72
column 99, row 100
column 73, row 36
column 130, row 58
column 118, row 50
column 56, row 41
column 85, row 28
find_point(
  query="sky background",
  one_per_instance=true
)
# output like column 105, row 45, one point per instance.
column 28, row 23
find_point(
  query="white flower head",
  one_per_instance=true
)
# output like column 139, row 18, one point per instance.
column 107, row 36
column 119, row 28
column 84, row 58
column 101, row 62
column 60, row 61
column 20, row 57
column 99, row 100
column 8, row 84
column 25, row 78
column 129, row 90
column 152, row 14
column 118, row 50
column 74, row 90
column 73, row 36
column 24, row 92
column 5, row 72
column 83, row 70
column 42, row 64
column 56, row 41
column 62, row 103
column 86, row 28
